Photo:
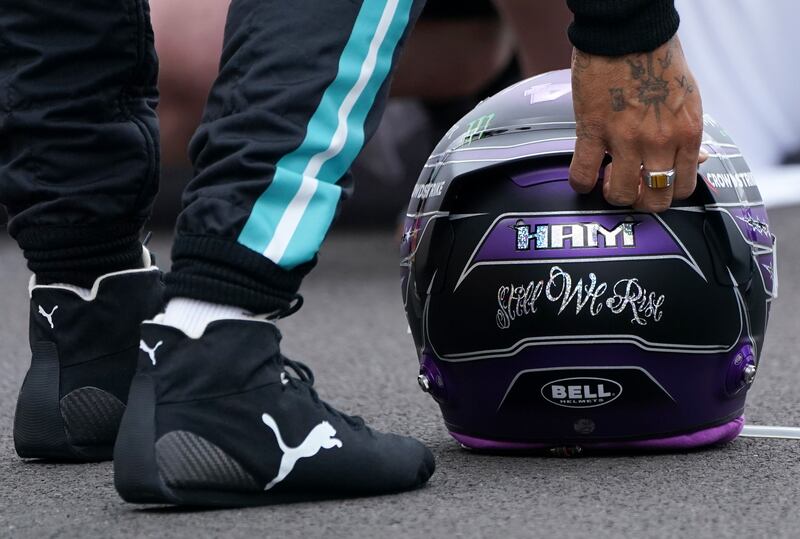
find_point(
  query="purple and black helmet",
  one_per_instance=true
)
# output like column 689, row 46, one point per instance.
column 549, row 319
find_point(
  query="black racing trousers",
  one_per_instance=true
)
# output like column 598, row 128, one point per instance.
column 301, row 87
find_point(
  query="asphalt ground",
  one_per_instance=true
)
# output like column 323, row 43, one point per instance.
column 353, row 333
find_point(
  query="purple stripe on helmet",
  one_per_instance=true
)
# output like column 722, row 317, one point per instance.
column 715, row 435
column 542, row 175
column 649, row 238
column 545, row 175
column 501, row 398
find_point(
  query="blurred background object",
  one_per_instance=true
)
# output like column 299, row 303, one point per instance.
column 743, row 54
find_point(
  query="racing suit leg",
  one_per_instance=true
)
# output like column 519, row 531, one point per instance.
column 78, row 133
column 301, row 87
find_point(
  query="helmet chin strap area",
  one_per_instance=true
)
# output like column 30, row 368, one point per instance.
column 763, row 431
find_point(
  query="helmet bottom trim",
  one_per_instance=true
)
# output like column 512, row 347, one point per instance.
column 721, row 434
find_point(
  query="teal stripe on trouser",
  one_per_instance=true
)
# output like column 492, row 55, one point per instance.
column 319, row 215
column 271, row 207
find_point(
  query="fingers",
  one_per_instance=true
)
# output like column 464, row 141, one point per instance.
column 586, row 161
column 621, row 186
column 689, row 155
column 607, row 172
column 647, row 198
column 686, row 172
column 686, row 162
column 657, row 200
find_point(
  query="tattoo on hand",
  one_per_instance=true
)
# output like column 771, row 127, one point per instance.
column 684, row 83
column 649, row 71
column 637, row 68
column 666, row 60
column 617, row 99
column 653, row 89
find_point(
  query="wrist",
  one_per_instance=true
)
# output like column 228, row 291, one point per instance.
column 620, row 27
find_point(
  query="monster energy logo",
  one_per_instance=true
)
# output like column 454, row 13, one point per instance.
column 477, row 128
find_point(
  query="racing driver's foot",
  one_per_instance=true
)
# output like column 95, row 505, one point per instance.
column 84, row 349
column 225, row 420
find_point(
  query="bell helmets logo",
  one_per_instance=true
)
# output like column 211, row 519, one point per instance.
column 583, row 392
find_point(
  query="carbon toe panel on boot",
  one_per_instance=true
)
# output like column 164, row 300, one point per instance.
column 91, row 416
column 188, row 461
column 84, row 352
column 227, row 420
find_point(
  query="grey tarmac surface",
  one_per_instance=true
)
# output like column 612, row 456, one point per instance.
column 353, row 333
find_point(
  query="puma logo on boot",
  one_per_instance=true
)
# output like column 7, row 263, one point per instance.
column 320, row 437
column 150, row 351
column 47, row 315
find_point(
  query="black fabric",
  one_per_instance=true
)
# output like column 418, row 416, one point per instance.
column 257, row 112
column 617, row 27
column 259, row 105
column 84, row 354
column 198, row 390
column 459, row 10
column 220, row 271
column 80, row 254
column 86, row 340
column 78, row 133
column 78, row 128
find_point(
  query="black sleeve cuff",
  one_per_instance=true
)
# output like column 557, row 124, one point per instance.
column 79, row 254
column 220, row 270
column 617, row 27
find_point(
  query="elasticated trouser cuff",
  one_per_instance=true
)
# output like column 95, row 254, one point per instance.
column 223, row 271
column 80, row 254
column 618, row 27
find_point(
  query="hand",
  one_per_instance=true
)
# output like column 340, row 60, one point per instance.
column 644, row 110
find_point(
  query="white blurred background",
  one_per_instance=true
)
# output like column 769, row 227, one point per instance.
column 745, row 57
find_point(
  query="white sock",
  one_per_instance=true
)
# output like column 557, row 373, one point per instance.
column 192, row 316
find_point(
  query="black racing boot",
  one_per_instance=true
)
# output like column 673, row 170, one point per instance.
column 226, row 420
column 84, row 351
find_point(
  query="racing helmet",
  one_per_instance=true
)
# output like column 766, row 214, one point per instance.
column 547, row 319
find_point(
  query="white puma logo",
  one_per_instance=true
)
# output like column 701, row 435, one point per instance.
column 320, row 437
column 150, row 351
column 47, row 315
